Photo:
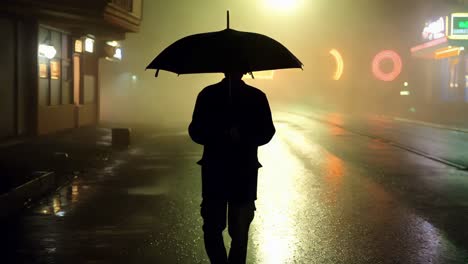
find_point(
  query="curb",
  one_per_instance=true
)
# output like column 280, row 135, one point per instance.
column 458, row 129
column 14, row 201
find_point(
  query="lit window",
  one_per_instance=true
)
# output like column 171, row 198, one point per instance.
column 43, row 70
column 78, row 46
column 89, row 45
column 54, row 70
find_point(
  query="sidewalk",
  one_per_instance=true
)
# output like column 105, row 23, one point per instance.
column 32, row 167
column 450, row 117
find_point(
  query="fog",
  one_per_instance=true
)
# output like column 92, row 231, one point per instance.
column 310, row 29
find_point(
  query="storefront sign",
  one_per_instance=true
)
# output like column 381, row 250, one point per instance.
column 460, row 25
column 377, row 63
column 434, row 29
column 339, row 64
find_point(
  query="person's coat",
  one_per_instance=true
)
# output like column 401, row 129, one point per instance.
column 230, row 162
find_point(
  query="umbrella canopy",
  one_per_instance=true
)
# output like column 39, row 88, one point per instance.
column 224, row 51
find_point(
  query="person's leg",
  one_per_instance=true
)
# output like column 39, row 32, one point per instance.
column 240, row 215
column 214, row 222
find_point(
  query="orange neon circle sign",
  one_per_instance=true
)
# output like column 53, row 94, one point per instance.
column 387, row 55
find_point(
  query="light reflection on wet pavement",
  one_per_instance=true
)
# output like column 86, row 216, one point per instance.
column 325, row 196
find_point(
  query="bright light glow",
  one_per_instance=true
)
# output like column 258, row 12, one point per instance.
column 89, row 45
column 134, row 77
column 47, row 51
column 60, row 213
column 281, row 5
column 339, row 64
column 387, row 55
column 118, row 53
column 435, row 29
column 405, row 84
column 113, row 43
column 404, row 93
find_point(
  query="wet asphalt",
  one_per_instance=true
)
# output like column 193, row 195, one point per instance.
column 326, row 195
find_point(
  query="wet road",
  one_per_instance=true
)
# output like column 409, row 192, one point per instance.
column 431, row 140
column 326, row 195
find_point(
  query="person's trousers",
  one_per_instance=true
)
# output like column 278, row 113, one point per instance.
column 239, row 216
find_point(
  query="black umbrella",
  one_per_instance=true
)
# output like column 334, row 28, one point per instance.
column 224, row 51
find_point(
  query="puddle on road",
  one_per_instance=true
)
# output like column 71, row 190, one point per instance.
column 335, row 221
column 59, row 203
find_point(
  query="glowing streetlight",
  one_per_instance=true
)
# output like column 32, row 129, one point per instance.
column 47, row 51
column 281, row 4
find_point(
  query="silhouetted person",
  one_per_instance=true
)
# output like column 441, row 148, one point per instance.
column 230, row 121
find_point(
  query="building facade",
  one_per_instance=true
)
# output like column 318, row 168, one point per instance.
column 443, row 58
column 49, row 78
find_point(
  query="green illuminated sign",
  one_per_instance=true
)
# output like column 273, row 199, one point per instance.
column 460, row 22
column 463, row 24
column 460, row 25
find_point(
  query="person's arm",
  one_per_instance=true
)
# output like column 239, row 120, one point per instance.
column 197, row 128
column 202, row 130
column 263, row 129
column 266, row 127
